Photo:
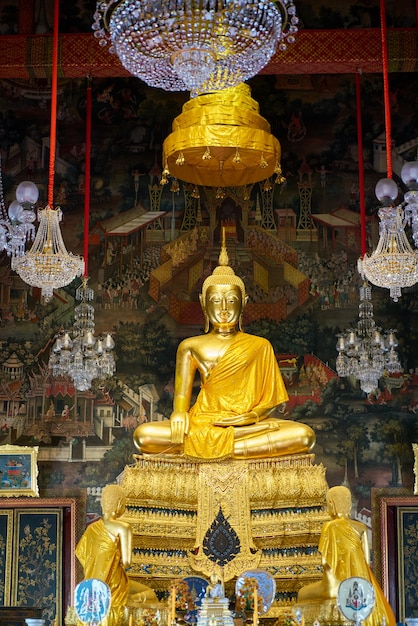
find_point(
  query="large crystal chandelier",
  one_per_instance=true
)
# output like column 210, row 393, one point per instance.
column 364, row 352
column 221, row 140
column 48, row 265
column 80, row 354
column 16, row 223
column 194, row 45
column 393, row 264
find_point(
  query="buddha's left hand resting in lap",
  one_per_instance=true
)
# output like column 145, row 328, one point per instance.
column 241, row 387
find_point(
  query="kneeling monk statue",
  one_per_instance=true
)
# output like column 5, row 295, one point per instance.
column 345, row 553
column 241, row 385
column 105, row 549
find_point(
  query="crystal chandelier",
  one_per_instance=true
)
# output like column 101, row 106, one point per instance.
column 363, row 352
column 194, row 45
column 79, row 354
column 220, row 140
column 409, row 175
column 393, row 264
column 16, row 223
column 48, row 265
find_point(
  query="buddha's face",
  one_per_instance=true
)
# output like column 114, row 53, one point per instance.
column 223, row 305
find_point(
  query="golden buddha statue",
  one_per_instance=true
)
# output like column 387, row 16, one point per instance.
column 344, row 548
column 241, row 387
column 105, row 550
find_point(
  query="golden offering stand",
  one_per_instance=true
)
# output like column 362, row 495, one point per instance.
column 273, row 509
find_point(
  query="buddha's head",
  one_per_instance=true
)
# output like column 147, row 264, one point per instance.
column 339, row 501
column 223, row 296
column 113, row 500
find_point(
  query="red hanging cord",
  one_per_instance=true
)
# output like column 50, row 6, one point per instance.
column 87, row 179
column 388, row 126
column 361, row 167
column 54, row 90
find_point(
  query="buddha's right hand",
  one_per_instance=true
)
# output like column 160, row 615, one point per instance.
column 179, row 422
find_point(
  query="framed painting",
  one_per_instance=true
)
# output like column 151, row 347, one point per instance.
column 18, row 471
column 38, row 568
column 38, row 559
column 6, row 541
column 395, row 559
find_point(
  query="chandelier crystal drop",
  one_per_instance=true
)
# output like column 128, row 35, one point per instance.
column 194, row 45
column 364, row 352
column 80, row 354
column 393, row 264
column 47, row 264
column 16, row 223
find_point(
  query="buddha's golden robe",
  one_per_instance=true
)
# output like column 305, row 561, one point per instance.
column 340, row 546
column 246, row 377
column 100, row 556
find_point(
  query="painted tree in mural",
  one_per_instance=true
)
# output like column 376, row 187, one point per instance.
column 396, row 433
column 296, row 335
column 149, row 344
column 351, row 447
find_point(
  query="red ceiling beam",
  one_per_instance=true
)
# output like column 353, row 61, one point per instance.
column 315, row 52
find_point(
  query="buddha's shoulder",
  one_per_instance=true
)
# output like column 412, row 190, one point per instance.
column 191, row 343
column 256, row 339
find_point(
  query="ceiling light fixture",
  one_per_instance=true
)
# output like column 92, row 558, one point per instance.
column 393, row 264
column 195, row 45
column 47, row 264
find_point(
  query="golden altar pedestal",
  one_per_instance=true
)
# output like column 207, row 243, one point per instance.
column 275, row 506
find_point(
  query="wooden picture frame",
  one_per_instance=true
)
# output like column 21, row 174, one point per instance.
column 415, row 451
column 18, row 471
column 395, row 516
column 40, row 535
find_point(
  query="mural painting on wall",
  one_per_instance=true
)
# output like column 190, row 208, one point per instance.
column 302, row 282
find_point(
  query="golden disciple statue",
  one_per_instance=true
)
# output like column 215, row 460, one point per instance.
column 105, row 550
column 241, row 386
column 344, row 548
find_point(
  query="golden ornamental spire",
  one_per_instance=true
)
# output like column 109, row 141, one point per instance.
column 223, row 274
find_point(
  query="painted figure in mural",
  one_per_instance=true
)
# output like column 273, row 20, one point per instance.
column 105, row 550
column 241, row 386
column 50, row 414
column 345, row 553
column 66, row 412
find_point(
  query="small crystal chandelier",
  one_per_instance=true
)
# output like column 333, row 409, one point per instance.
column 409, row 175
column 393, row 264
column 79, row 354
column 363, row 352
column 16, row 224
column 194, row 45
column 48, row 265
